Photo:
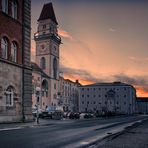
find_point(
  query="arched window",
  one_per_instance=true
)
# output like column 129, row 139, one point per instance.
column 55, row 64
column 45, row 88
column 14, row 52
column 9, row 96
column 4, row 48
column 5, row 6
column 14, row 9
column 43, row 63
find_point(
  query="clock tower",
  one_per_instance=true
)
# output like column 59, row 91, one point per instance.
column 47, row 51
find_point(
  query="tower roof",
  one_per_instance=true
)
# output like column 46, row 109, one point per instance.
column 48, row 13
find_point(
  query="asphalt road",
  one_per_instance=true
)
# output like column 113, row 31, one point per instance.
column 68, row 134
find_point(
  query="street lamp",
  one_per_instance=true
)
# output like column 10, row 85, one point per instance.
column 38, row 89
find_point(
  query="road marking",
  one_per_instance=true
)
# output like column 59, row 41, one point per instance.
column 8, row 129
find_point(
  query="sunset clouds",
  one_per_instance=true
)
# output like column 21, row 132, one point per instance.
column 102, row 40
column 64, row 34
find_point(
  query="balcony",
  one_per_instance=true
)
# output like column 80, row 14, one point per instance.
column 51, row 36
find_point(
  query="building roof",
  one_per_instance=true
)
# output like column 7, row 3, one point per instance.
column 36, row 68
column 142, row 99
column 107, row 84
column 48, row 13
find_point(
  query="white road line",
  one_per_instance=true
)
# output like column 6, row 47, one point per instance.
column 8, row 129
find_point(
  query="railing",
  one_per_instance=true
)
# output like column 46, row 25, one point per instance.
column 49, row 35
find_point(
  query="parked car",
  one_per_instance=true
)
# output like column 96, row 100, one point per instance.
column 86, row 115
column 73, row 115
column 57, row 115
column 48, row 112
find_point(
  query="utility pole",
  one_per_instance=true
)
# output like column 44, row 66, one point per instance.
column 37, row 101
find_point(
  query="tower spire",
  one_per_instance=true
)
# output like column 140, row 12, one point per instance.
column 48, row 13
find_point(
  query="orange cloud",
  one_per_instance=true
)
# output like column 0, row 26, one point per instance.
column 141, row 92
column 80, row 79
column 64, row 34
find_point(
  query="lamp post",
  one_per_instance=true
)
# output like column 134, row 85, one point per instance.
column 38, row 89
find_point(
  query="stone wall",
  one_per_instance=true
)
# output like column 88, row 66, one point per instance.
column 10, row 75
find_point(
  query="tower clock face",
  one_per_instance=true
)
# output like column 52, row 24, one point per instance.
column 43, row 47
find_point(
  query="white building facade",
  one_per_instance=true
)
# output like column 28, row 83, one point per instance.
column 116, row 97
column 68, row 94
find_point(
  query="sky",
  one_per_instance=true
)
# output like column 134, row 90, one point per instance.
column 102, row 40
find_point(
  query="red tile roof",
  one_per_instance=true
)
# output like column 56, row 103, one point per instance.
column 48, row 13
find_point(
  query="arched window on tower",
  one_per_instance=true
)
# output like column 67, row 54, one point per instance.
column 14, row 9
column 55, row 65
column 5, row 6
column 14, row 52
column 9, row 96
column 4, row 48
column 44, row 88
column 43, row 63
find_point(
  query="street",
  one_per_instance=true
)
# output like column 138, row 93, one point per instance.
column 65, row 134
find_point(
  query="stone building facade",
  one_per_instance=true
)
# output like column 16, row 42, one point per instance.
column 68, row 94
column 47, row 56
column 113, row 97
column 15, row 70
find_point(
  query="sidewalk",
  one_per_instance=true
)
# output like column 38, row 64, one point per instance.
column 135, row 137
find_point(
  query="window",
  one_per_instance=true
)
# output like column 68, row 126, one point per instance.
column 45, row 88
column 88, row 96
column 82, row 102
column 44, row 26
column 54, row 86
column 43, row 63
column 9, row 96
column 5, row 6
column 14, row 52
column 55, row 65
column 4, row 47
column 124, row 96
column 82, row 96
column 14, row 9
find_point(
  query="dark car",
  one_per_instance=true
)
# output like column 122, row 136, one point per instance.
column 48, row 113
column 74, row 115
